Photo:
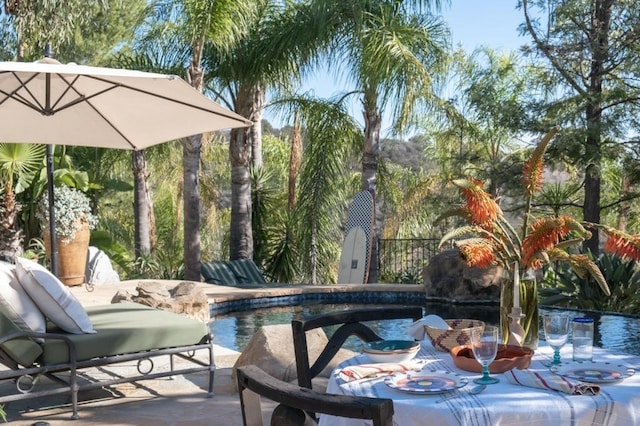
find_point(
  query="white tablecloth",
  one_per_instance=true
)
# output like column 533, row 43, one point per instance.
column 502, row 403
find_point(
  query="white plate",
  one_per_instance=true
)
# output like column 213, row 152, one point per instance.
column 426, row 383
column 594, row 372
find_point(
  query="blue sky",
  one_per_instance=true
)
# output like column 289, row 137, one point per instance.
column 473, row 23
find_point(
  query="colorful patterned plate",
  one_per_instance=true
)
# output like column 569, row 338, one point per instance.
column 426, row 383
column 594, row 372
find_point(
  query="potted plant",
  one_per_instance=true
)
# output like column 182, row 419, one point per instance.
column 73, row 223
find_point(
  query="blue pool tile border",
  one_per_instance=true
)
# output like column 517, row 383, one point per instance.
column 382, row 297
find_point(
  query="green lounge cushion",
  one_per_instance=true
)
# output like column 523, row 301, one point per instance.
column 127, row 328
column 23, row 351
column 218, row 272
column 246, row 272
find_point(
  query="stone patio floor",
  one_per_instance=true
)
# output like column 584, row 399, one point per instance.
column 180, row 400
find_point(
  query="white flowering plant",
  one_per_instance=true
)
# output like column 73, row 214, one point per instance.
column 72, row 207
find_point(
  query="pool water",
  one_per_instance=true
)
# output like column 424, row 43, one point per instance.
column 234, row 330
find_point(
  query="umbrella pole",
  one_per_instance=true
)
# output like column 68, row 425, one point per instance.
column 52, row 212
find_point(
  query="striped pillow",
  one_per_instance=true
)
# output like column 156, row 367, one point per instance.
column 247, row 272
column 217, row 272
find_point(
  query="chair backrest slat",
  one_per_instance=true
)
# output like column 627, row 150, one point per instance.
column 251, row 377
column 350, row 325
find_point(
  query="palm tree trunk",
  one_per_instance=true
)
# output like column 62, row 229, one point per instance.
column 295, row 160
column 190, row 163
column 256, row 130
column 240, row 152
column 372, row 124
column 192, row 148
column 144, row 232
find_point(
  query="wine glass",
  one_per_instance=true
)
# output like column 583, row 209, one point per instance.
column 556, row 332
column 484, row 343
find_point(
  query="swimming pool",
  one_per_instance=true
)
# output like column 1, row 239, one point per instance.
column 234, row 329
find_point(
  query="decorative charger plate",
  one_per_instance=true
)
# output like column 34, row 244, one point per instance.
column 426, row 383
column 594, row 372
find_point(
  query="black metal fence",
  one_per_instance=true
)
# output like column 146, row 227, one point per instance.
column 402, row 260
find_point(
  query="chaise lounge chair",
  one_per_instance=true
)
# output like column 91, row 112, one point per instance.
column 105, row 335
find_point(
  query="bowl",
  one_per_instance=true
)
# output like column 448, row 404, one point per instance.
column 507, row 358
column 459, row 333
column 391, row 350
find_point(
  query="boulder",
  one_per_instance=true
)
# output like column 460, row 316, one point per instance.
column 99, row 268
column 186, row 298
column 271, row 349
column 447, row 276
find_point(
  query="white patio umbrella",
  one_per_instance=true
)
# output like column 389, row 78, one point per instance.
column 51, row 103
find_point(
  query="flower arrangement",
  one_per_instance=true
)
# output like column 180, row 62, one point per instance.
column 71, row 207
column 490, row 240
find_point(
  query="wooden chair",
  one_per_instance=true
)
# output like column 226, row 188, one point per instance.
column 294, row 400
column 350, row 325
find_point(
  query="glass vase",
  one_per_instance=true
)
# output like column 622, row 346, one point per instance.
column 528, row 305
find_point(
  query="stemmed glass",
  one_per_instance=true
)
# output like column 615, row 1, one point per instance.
column 556, row 332
column 484, row 343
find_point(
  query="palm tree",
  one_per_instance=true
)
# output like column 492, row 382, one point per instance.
column 18, row 165
column 276, row 48
column 392, row 53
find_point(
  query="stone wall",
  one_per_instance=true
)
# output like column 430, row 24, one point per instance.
column 185, row 298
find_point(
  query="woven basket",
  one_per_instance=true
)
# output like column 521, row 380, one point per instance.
column 460, row 334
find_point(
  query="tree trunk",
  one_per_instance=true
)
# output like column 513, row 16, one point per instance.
column 255, row 134
column 295, row 160
column 144, row 232
column 248, row 103
column 191, row 150
column 599, row 36
column 190, row 162
column 372, row 124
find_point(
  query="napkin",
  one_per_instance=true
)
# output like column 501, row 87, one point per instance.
column 365, row 371
column 547, row 380
column 416, row 329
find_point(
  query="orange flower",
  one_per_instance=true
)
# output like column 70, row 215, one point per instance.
column 623, row 245
column 545, row 234
column 478, row 252
column 481, row 208
column 532, row 175
column 534, row 167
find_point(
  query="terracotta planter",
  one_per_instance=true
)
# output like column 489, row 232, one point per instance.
column 72, row 255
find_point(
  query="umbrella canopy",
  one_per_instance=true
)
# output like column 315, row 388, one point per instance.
column 67, row 104
column 51, row 103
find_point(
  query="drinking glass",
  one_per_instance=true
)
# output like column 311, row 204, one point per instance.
column 484, row 343
column 556, row 332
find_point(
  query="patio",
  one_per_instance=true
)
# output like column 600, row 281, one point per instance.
column 181, row 400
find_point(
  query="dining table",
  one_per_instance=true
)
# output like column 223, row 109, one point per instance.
column 505, row 403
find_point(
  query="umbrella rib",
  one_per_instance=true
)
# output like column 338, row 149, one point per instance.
column 70, row 86
column 34, row 104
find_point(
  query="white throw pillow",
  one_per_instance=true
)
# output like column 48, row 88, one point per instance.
column 52, row 297
column 16, row 304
